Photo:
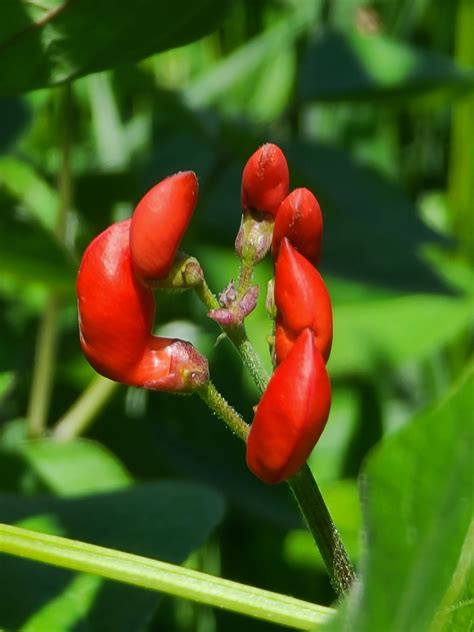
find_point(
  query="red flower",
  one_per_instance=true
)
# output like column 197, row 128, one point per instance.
column 159, row 223
column 116, row 314
column 302, row 301
column 291, row 414
column 265, row 180
column 299, row 219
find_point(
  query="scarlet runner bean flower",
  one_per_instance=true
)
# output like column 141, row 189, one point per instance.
column 291, row 414
column 299, row 219
column 159, row 223
column 302, row 301
column 265, row 180
column 116, row 308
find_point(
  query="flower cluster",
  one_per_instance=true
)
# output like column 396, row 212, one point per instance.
column 126, row 262
column 295, row 406
column 115, row 301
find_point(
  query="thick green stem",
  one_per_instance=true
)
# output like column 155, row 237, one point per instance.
column 323, row 529
column 163, row 577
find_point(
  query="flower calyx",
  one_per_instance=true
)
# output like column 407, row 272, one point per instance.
column 234, row 308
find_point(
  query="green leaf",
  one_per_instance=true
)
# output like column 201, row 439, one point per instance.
column 162, row 520
column 48, row 43
column 372, row 335
column 342, row 66
column 30, row 253
column 76, row 467
column 417, row 493
column 257, row 78
column 23, row 183
column 371, row 229
column 159, row 576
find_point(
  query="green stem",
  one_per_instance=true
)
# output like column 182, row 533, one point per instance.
column 303, row 484
column 221, row 407
column 84, row 409
column 163, row 577
column 238, row 337
column 323, row 529
column 43, row 369
column 45, row 354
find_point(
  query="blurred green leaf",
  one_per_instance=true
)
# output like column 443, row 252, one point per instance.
column 342, row 66
column 163, row 520
column 29, row 252
column 373, row 335
column 257, row 78
column 372, row 232
column 61, row 40
column 23, row 183
column 14, row 116
column 75, row 468
column 418, row 503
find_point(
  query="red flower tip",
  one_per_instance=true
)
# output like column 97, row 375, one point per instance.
column 299, row 219
column 302, row 301
column 265, row 180
column 291, row 414
column 159, row 223
column 116, row 314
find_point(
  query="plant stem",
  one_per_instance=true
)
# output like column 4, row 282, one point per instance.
column 45, row 354
column 221, row 407
column 43, row 369
column 238, row 337
column 323, row 529
column 303, row 484
column 163, row 577
column 84, row 409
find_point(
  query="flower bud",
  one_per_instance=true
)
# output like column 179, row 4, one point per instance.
column 159, row 223
column 116, row 314
column 265, row 180
column 291, row 414
column 299, row 219
column 302, row 301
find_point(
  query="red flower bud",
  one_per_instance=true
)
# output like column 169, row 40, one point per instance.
column 299, row 219
column 302, row 301
column 265, row 180
column 116, row 314
column 159, row 223
column 291, row 414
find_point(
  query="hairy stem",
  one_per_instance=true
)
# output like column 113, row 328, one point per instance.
column 323, row 529
column 221, row 407
column 303, row 484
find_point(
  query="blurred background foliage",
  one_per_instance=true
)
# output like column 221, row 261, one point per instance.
column 373, row 104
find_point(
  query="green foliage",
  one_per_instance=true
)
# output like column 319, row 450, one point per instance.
column 417, row 512
column 42, row 45
column 372, row 103
column 164, row 520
